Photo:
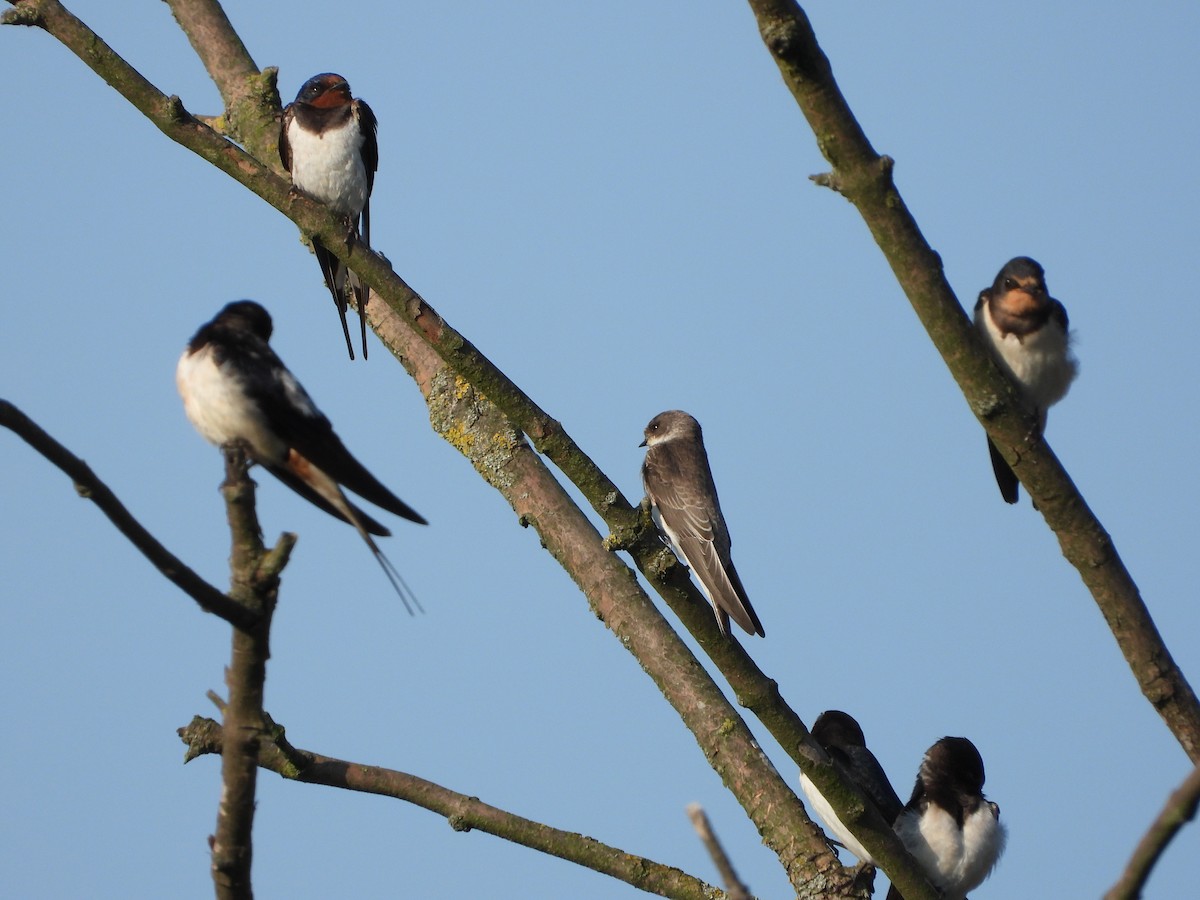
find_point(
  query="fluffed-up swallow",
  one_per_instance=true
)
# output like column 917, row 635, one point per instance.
column 683, row 497
column 235, row 388
column 951, row 829
column 842, row 738
column 1026, row 331
column 327, row 141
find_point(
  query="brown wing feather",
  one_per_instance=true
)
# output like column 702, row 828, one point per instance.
column 680, row 485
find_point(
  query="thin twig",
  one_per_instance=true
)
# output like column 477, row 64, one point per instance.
column 733, row 885
column 463, row 812
column 1179, row 810
column 207, row 597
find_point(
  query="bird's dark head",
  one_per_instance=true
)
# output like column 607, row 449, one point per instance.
column 955, row 763
column 673, row 423
column 835, row 728
column 325, row 91
column 1020, row 287
column 246, row 315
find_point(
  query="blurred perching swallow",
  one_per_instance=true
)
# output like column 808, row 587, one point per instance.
column 327, row 141
column 1026, row 331
column 235, row 388
column 679, row 483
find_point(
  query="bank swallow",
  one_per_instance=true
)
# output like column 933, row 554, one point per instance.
column 327, row 142
column 235, row 388
column 680, row 486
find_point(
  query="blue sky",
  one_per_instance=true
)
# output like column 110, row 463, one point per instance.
column 611, row 200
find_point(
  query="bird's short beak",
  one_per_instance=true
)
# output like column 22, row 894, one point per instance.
column 642, row 444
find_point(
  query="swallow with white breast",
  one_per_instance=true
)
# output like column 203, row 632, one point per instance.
column 842, row 738
column 948, row 825
column 327, row 141
column 235, row 388
column 683, row 497
column 1026, row 331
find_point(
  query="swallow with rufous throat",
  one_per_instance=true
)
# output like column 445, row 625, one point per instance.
column 1026, row 331
column 327, row 141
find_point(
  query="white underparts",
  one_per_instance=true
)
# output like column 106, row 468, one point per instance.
column 329, row 166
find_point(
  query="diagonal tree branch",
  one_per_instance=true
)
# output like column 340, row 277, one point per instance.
column 865, row 179
column 218, row 45
column 1179, row 810
column 207, row 597
column 203, row 736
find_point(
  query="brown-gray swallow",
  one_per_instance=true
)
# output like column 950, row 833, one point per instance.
column 679, row 483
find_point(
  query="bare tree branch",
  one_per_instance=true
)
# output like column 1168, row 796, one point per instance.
column 865, row 179
column 733, row 885
column 207, row 597
column 218, row 45
column 170, row 117
column 232, row 843
column 464, row 813
column 761, row 695
column 255, row 581
column 1180, row 809
column 251, row 97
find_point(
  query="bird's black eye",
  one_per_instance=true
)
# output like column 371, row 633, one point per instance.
column 1010, row 284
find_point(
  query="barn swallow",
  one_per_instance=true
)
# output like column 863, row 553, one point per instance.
column 235, row 388
column 682, row 494
column 951, row 829
column 842, row 738
column 327, row 140
column 1026, row 331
